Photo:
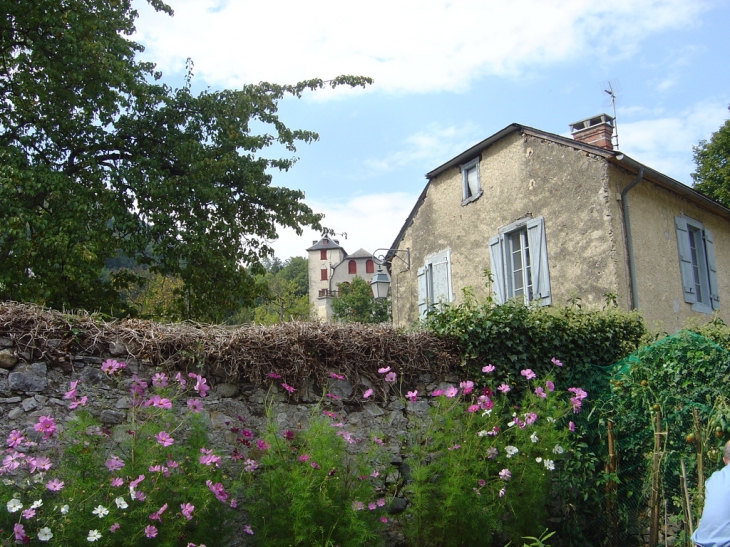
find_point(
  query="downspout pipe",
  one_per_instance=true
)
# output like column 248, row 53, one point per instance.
column 634, row 303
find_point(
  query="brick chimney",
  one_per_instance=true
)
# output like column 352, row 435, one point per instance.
column 597, row 131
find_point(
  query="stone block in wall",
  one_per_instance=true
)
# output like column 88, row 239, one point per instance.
column 117, row 348
column 227, row 390
column 31, row 379
column 112, row 417
column 7, row 359
column 92, row 376
column 6, row 342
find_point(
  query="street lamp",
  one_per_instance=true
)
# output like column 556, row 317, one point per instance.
column 380, row 284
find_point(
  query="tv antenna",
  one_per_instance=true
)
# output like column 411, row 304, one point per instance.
column 608, row 89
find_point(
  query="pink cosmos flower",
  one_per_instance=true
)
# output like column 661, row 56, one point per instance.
column 466, row 387
column 288, row 387
column 28, row 514
column 114, row 463
column 303, row 457
column 528, row 374
column 556, row 362
column 488, row 369
column 208, row 458
column 378, row 441
column 473, row 408
column 437, row 392
column 247, row 529
column 391, row 377
column 336, row 376
column 54, row 485
column 332, row 396
column 571, row 427
column 19, row 532
column 187, row 510
column 481, row 483
column 372, row 506
column 577, row 399
column 455, row 447
column 380, row 502
column 314, row 465
column 114, row 527
column 110, row 366
column 158, row 514
column 195, row 405
column 412, row 395
column 505, row 474
column 180, row 380
column 329, row 414
column 550, row 386
column 14, row 439
column 383, row 519
column 150, row 531
column 383, row 370
column 45, row 425
column 250, row 465
column 485, row 403
column 71, row 393
column 530, row 418
column 273, row 375
column 262, row 444
column 116, row 482
column 78, row 402
column 368, row 393
column 451, row 392
column 357, row 506
column 158, row 402
column 159, row 379
column 540, row 392
column 504, row 388
column 38, row 463
column 201, row 385
column 218, row 490
column 163, row 437
column 502, row 491
column 139, row 496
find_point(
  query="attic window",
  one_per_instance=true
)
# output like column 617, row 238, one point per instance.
column 470, row 186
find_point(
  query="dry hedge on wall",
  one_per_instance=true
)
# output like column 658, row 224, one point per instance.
column 296, row 350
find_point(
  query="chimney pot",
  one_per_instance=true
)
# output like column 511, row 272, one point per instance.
column 596, row 131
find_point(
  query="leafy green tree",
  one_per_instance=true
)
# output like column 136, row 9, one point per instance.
column 98, row 159
column 356, row 304
column 712, row 176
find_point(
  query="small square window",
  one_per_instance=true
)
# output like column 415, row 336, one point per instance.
column 470, row 183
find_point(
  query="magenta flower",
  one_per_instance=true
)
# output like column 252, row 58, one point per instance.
column 550, row 386
column 250, row 465
column 71, row 393
column 372, row 506
column 314, row 465
column 332, row 396
column 540, row 392
column 45, row 425
column 504, row 388
column 530, row 418
column 288, row 387
column 158, row 402
column 357, row 506
column 247, row 529
column 116, row 482
column 437, row 392
column 488, row 369
column 78, row 402
column 556, row 362
column 273, row 375
column 114, row 527
column 19, row 532
column 262, row 444
column 336, row 376
column 164, row 438
column 54, row 485
column 571, row 427
column 412, row 395
column 150, row 531
column 391, row 377
column 481, row 483
column 187, row 510
column 473, row 408
column 383, row 370
column 195, row 405
column 466, row 387
column 114, row 463
column 110, row 366
column 15, row 438
column 208, row 458
column 505, row 474
column 455, row 447
column 41, row 463
column 492, row 453
column 139, row 496
column 303, row 457
column 577, row 399
column 451, row 392
column 383, row 519
column 28, row 514
column 528, row 374
column 380, row 502
column 485, row 402
column 378, row 441
column 218, row 490
column 368, row 393
column 502, row 491
column 159, row 380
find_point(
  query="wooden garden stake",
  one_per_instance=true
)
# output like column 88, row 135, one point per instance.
column 699, row 446
column 686, row 505
column 654, row 503
column 611, row 488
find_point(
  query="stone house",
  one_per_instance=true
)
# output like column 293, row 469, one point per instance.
column 548, row 216
column 330, row 265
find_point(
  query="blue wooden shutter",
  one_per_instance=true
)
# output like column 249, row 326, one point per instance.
column 422, row 293
column 440, row 278
column 712, row 270
column 538, row 261
column 685, row 260
column 496, row 259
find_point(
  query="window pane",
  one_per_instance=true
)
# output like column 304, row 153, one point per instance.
column 472, row 181
column 352, row 267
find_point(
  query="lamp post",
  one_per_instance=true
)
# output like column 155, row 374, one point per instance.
column 380, row 284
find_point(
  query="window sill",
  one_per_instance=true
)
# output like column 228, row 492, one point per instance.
column 472, row 198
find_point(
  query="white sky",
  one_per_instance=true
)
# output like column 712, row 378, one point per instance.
column 449, row 74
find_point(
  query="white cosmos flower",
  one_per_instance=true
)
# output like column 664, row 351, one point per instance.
column 121, row 504
column 558, row 449
column 549, row 465
column 93, row 535
column 14, row 505
column 533, row 437
column 44, row 534
column 36, row 504
column 511, row 450
column 64, row 509
column 538, row 459
column 100, row 511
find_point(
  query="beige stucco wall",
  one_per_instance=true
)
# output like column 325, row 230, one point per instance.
column 652, row 210
column 315, row 264
column 520, row 176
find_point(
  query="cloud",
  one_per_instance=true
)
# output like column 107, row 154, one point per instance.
column 370, row 221
column 665, row 143
column 406, row 46
column 428, row 147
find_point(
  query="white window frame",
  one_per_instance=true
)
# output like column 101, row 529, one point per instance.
column 434, row 282
column 532, row 232
column 696, row 252
column 473, row 192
